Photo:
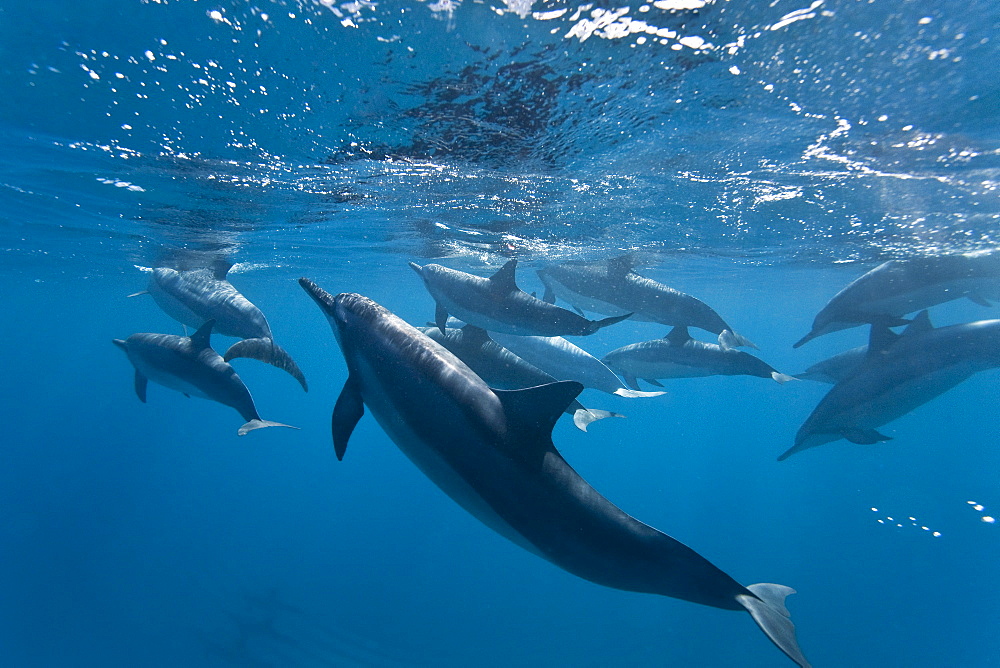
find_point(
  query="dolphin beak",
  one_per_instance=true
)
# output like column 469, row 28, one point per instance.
column 120, row 343
column 417, row 268
column 320, row 296
column 805, row 339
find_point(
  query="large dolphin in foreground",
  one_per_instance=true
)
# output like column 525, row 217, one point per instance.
column 899, row 373
column 194, row 296
column 189, row 365
column 496, row 304
column 677, row 355
column 502, row 369
column 491, row 451
column 898, row 287
column 614, row 289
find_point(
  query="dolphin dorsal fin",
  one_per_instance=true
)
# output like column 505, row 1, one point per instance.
column 881, row 339
column 200, row 339
column 475, row 335
column 220, row 268
column 503, row 280
column 532, row 412
column 678, row 336
column 618, row 267
column 921, row 323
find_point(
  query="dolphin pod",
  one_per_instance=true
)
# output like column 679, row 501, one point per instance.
column 899, row 373
column 614, row 289
column 898, row 287
column 496, row 304
column 189, row 365
column 194, row 296
column 491, row 451
column 677, row 355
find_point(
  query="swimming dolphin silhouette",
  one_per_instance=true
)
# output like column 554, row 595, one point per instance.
column 899, row 373
column 837, row 368
column 613, row 289
column 564, row 360
column 189, row 365
column 496, row 304
column 677, row 355
column 898, row 287
column 491, row 451
column 502, row 369
column 194, row 296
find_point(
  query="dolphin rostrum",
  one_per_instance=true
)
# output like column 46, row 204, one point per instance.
column 564, row 360
column 189, row 365
column 677, row 355
column 502, row 369
column 496, row 304
column 898, row 287
column 614, row 289
column 194, row 296
column 491, row 451
column 899, row 373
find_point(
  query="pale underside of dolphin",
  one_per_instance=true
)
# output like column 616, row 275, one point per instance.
column 502, row 369
column 899, row 373
column 677, row 355
column 496, row 304
column 491, row 451
column 614, row 288
column 899, row 287
column 195, row 296
column 564, row 360
column 189, row 365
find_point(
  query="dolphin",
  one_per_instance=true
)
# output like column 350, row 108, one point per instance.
column 898, row 287
column 564, row 360
column 189, row 365
column 194, row 296
column 899, row 373
column 502, row 369
column 498, row 305
column 491, row 451
column 677, row 355
column 837, row 368
column 614, row 289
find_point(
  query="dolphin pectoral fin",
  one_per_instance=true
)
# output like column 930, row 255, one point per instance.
column 653, row 381
column 549, row 296
column 631, row 381
column 582, row 417
column 346, row 413
column 974, row 298
column 533, row 411
column 137, row 294
column 604, row 322
column 880, row 339
column 441, row 317
column 140, row 385
column 782, row 377
column 921, row 323
column 579, row 311
column 267, row 351
column 864, row 436
column 260, row 424
column 767, row 607
column 728, row 339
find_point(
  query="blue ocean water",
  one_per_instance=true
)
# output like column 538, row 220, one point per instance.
column 758, row 156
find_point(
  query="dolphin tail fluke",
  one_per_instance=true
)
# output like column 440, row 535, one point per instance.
column 604, row 322
column 767, row 607
column 728, row 339
column 782, row 377
column 260, row 424
column 582, row 417
column 633, row 394
column 269, row 352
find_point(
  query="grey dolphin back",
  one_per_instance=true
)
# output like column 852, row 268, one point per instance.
column 767, row 607
column 269, row 352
